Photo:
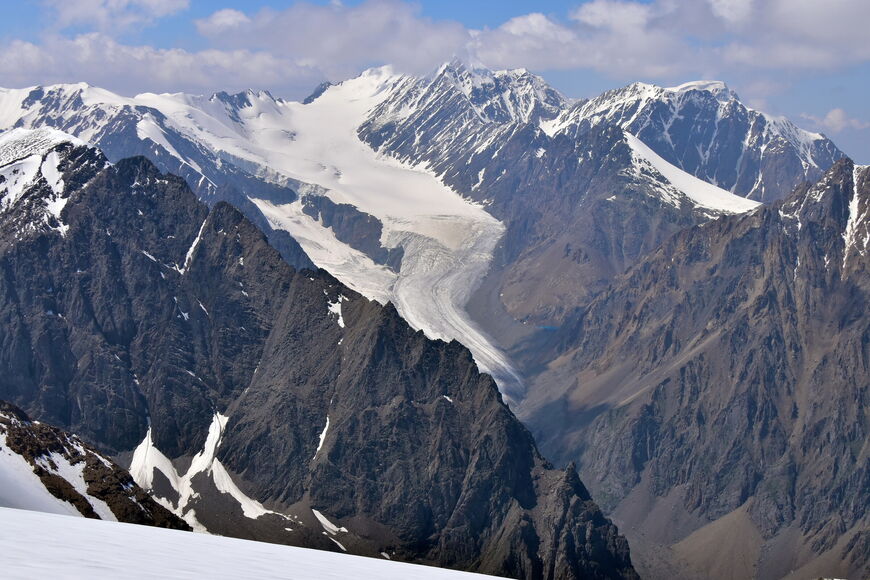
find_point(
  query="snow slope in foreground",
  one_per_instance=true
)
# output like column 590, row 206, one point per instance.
column 38, row 545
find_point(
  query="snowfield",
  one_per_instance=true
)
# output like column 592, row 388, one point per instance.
column 39, row 545
column 447, row 240
column 703, row 194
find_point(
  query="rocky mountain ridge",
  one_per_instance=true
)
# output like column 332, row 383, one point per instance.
column 526, row 174
column 703, row 128
column 45, row 469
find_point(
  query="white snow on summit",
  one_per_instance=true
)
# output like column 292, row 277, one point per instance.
column 19, row 143
column 26, row 157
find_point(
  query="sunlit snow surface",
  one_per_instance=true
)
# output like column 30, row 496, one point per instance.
column 38, row 545
column 703, row 194
column 447, row 241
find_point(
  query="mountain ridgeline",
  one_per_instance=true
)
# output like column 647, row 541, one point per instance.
column 701, row 357
column 562, row 177
column 256, row 400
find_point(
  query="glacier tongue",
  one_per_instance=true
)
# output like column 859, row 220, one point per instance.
column 447, row 240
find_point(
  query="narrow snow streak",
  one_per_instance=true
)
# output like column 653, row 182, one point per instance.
column 189, row 257
column 849, row 234
column 328, row 525
column 322, row 438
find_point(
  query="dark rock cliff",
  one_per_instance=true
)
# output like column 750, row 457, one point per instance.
column 151, row 307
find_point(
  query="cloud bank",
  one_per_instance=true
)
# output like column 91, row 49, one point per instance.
column 761, row 44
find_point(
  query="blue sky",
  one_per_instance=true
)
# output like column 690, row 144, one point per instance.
column 806, row 59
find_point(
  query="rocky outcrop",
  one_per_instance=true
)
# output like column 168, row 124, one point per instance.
column 703, row 128
column 727, row 373
column 357, row 229
column 276, row 404
column 73, row 472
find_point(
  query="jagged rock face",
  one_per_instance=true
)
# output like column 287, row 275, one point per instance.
column 731, row 369
column 276, row 386
column 75, row 474
column 704, row 129
column 572, row 196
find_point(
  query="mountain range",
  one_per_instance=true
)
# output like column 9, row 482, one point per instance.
column 667, row 286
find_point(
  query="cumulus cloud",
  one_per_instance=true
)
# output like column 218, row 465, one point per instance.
column 836, row 121
column 687, row 37
column 101, row 60
column 614, row 15
column 617, row 38
column 341, row 39
column 222, row 21
column 110, row 15
column 732, row 11
column 755, row 42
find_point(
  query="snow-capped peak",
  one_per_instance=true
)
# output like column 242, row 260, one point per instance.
column 703, row 128
column 32, row 171
column 497, row 96
column 717, row 88
column 18, row 144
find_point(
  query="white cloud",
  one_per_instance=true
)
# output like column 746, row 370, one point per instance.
column 686, row 38
column 836, row 121
column 101, row 60
column 614, row 37
column 748, row 42
column 222, row 21
column 110, row 15
column 732, row 11
column 613, row 15
column 341, row 39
